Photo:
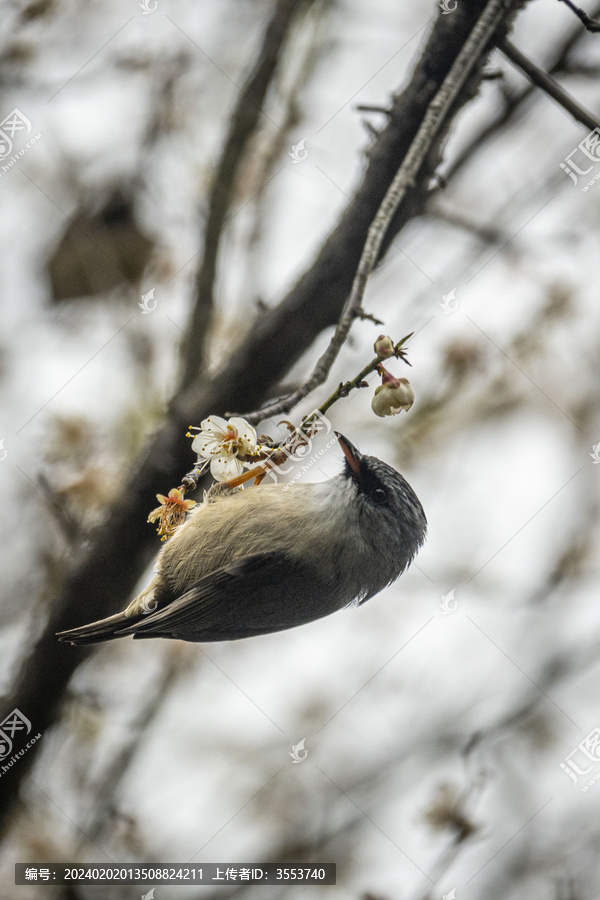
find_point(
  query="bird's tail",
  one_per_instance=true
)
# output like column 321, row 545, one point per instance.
column 96, row 632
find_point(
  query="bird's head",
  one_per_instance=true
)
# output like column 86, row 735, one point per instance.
column 390, row 513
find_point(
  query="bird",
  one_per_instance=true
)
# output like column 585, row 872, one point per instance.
column 271, row 557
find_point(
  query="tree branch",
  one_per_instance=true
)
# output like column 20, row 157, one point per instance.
column 547, row 83
column 559, row 65
column 365, row 107
column 583, row 16
column 243, row 124
column 405, row 178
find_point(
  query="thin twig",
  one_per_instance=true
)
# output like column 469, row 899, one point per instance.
column 586, row 70
column 547, row 83
column 345, row 387
column 366, row 107
column 450, row 853
column 244, row 122
column 301, row 59
column 583, row 16
column 72, row 529
column 488, row 234
column 369, row 317
column 512, row 106
column 405, row 179
column 306, row 429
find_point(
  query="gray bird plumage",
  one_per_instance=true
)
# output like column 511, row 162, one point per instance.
column 273, row 557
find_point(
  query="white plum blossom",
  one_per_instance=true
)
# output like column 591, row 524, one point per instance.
column 393, row 396
column 221, row 441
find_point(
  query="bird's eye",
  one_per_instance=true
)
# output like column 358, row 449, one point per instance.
column 378, row 495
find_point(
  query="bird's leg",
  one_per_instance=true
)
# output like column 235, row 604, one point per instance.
column 257, row 472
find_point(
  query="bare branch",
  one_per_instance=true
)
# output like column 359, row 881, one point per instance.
column 344, row 388
column 365, row 107
column 559, row 65
column 405, row 179
column 488, row 234
column 244, row 121
column 547, row 83
column 583, row 16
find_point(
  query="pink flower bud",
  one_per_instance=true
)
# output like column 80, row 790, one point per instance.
column 384, row 347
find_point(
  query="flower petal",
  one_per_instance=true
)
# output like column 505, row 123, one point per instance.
column 216, row 424
column 246, row 433
column 206, row 445
column 175, row 495
column 393, row 396
column 222, row 468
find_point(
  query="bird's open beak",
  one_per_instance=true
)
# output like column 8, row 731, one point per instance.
column 352, row 455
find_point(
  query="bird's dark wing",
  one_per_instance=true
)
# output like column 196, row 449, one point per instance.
column 248, row 596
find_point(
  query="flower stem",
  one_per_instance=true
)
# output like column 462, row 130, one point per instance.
column 344, row 388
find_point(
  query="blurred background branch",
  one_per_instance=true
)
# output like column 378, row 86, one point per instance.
column 243, row 124
column 581, row 14
column 548, row 84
